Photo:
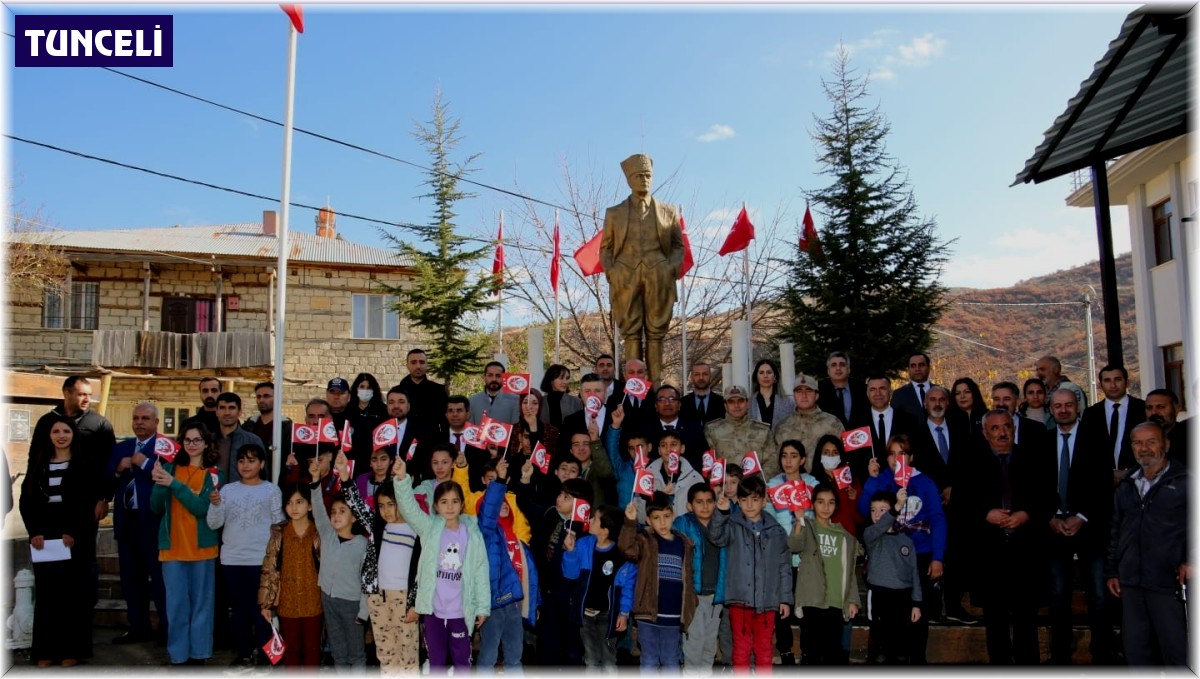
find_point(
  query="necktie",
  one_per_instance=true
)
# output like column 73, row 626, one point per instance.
column 921, row 388
column 943, row 447
column 458, row 442
column 1064, row 470
column 1114, row 430
column 882, row 433
column 1006, row 492
column 131, row 489
column 700, row 405
column 841, row 395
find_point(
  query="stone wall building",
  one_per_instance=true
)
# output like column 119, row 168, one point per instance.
column 156, row 309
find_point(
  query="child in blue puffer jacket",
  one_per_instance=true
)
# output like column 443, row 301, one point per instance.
column 604, row 583
column 515, row 593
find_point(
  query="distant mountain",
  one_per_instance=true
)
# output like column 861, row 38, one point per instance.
column 1016, row 336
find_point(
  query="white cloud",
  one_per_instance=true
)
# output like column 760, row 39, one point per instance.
column 921, row 50
column 885, row 56
column 717, row 133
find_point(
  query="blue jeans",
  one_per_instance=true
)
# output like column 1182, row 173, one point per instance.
column 660, row 647
column 191, row 587
column 1062, row 576
column 503, row 628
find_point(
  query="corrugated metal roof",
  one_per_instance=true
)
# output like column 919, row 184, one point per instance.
column 1138, row 94
column 232, row 240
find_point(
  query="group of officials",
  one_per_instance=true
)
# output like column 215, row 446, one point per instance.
column 1040, row 491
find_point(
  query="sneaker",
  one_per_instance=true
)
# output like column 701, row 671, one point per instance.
column 787, row 658
column 962, row 616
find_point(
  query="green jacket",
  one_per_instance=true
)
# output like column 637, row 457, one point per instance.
column 477, row 584
column 196, row 503
column 810, row 578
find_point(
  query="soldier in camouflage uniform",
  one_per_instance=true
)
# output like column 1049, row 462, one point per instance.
column 735, row 434
column 807, row 423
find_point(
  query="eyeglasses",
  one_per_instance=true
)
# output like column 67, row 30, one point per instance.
column 193, row 442
column 666, row 399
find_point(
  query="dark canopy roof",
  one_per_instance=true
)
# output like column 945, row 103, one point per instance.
column 1137, row 95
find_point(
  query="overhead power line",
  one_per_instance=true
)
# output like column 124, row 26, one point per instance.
column 1018, row 303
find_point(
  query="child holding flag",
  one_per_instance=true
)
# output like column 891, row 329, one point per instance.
column 833, row 469
column 792, row 460
column 922, row 519
column 709, row 563
column 665, row 595
column 894, row 585
column 826, row 584
column 759, row 576
column 603, row 583
column 624, row 466
column 673, row 475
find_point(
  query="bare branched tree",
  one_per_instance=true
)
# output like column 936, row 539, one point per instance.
column 35, row 262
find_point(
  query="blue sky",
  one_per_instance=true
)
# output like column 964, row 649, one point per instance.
column 724, row 97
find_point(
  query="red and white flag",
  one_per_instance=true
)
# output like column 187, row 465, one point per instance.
column 166, row 448
column 304, row 434
column 903, row 472
column 801, row 496
column 540, row 458
column 843, row 477
column 385, row 435
column 808, row 237
column 707, row 460
column 274, row 647
column 327, row 431
column 498, row 259
column 557, row 256
column 672, row 463
column 739, row 236
column 412, row 450
column 640, row 459
column 473, row 436
column 581, row 511
column 643, row 483
column 856, row 438
column 781, row 495
column 717, row 477
column 688, row 260
column 750, row 464
column 495, row 432
column 347, row 437
column 215, row 474
column 515, row 383
column 588, row 256
column 593, row 405
column 296, row 14
column 636, row 387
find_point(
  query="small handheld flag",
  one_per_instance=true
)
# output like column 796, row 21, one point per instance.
column 516, row 383
column 843, row 477
column 385, row 434
column 751, row 465
column 644, row 483
column 717, row 477
column 856, row 438
column 166, row 448
column 541, row 458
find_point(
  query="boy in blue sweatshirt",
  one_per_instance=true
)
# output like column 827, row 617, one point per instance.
column 603, row 587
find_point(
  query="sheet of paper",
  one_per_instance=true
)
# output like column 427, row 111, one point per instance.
column 52, row 550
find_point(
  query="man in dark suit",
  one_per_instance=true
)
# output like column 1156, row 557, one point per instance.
column 1162, row 406
column 884, row 421
column 1007, row 395
column 702, row 403
column 1111, row 420
column 458, row 416
column 590, row 385
column 606, row 368
column 910, row 398
column 135, row 527
column 426, row 398
column 637, row 410
column 838, row 395
column 407, row 429
column 1079, row 528
column 1008, row 499
column 667, row 417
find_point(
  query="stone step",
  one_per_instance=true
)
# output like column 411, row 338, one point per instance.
column 111, row 613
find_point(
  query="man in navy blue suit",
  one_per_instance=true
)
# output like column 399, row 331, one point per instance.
column 136, row 527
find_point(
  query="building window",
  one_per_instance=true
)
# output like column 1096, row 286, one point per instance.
column 1173, row 372
column 1160, row 216
column 187, row 315
column 374, row 317
column 85, row 308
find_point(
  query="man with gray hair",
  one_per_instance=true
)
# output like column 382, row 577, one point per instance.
column 1049, row 370
column 135, row 526
column 837, row 395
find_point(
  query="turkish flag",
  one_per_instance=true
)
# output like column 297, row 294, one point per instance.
column 274, row 647
column 581, row 512
column 412, row 450
column 540, row 458
column 903, row 472
column 740, row 236
column 856, row 438
column 216, row 477
column 707, row 460
column 385, row 435
column 640, row 459
column 347, row 436
column 327, row 431
column 843, row 477
column 750, row 464
column 557, row 256
column 643, row 483
column 781, row 495
column 166, row 448
column 588, row 256
column 498, row 259
column 672, row 463
column 717, row 476
column 296, row 14
column 801, row 496
column 808, row 238
column 515, row 383
column 304, row 433
column 496, row 432
column 688, row 260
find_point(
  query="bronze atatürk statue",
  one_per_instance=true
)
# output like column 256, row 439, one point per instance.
column 642, row 252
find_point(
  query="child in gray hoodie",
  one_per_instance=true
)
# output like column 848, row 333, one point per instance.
column 893, row 581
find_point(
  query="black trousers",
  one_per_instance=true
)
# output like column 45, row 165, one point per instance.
column 1154, row 628
column 1010, row 606
column 891, row 624
column 821, row 636
column 783, row 627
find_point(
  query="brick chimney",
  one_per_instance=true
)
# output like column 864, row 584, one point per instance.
column 269, row 221
column 326, row 222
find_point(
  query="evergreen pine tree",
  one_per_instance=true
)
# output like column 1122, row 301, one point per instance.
column 871, row 287
column 444, row 299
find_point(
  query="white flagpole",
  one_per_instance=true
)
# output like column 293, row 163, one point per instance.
column 281, row 263
column 500, row 295
column 557, row 320
column 749, row 323
column 683, row 326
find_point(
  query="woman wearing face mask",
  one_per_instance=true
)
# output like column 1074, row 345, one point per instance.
column 364, row 412
column 829, row 464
